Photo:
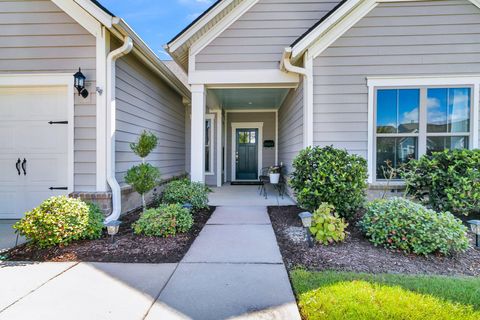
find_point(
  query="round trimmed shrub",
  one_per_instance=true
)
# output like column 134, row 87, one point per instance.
column 329, row 175
column 399, row 223
column 184, row 191
column 164, row 221
column 446, row 181
column 61, row 220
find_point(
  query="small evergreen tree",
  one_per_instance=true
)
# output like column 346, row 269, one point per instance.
column 143, row 177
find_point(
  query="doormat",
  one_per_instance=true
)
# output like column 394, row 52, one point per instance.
column 246, row 183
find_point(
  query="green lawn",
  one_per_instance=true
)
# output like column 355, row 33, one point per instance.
column 342, row 295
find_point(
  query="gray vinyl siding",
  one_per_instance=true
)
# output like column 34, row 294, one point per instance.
column 290, row 125
column 145, row 102
column 38, row 37
column 268, row 119
column 405, row 38
column 257, row 39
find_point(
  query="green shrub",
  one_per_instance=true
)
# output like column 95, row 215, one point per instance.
column 327, row 227
column 61, row 220
column 399, row 223
column 164, row 221
column 446, row 181
column 145, row 144
column 329, row 175
column 185, row 191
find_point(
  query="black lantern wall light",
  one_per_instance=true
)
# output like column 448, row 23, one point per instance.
column 79, row 83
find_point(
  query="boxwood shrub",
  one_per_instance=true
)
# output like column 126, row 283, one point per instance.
column 446, row 181
column 329, row 175
column 61, row 220
column 164, row 221
column 399, row 223
column 183, row 191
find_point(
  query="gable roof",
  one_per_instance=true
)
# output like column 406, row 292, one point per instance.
column 334, row 24
column 119, row 28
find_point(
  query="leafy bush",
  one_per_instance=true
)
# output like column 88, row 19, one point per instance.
column 399, row 223
column 329, row 175
column 446, row 181
column 145, row 144
column 164, row 221
column 184, row 191
column 143, row 177
column 61, row 220
column 327, row 227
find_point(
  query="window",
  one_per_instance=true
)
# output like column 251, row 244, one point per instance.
column 413, row 121
column 209, row 134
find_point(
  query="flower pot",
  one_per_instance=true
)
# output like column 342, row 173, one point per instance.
column 274, row 178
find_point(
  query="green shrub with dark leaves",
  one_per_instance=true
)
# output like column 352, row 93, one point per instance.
column 164, row 221
column 184, row 191
column 327, row 226
column 329, row 175
column 61, row 220
column 145, row 144
column 446, row 181
column 399, row 223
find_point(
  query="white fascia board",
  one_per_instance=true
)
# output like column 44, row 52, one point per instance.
column 80, row 15
column 177, row 43
column 273, row 77
column 221, row 26
column 103, row 17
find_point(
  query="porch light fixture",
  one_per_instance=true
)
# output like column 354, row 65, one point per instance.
column 475, row 227
column 306, row 218
column 112, row 228
column 79, row 83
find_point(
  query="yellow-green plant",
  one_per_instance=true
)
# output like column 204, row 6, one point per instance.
column 327, row 227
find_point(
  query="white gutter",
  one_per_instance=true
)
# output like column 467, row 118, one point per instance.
column 307, row 73
column 111, row 128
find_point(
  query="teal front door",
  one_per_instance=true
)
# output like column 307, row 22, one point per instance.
column 246, row 154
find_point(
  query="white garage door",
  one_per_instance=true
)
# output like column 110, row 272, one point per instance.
column 33, row 144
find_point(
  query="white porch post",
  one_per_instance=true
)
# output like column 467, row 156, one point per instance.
column 197, row 163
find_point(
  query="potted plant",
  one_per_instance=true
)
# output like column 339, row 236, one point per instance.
column 274, row 173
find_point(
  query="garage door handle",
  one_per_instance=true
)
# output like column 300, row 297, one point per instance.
column 24, row 166
column 58, row 188
column 17, row 165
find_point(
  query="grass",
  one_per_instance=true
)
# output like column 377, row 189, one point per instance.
column 343, row 295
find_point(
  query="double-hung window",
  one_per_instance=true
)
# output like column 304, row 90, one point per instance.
column 209, row 134
column 411, row 121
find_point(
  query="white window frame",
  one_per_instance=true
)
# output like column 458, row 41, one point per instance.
column 374, row 83
column 211, row 118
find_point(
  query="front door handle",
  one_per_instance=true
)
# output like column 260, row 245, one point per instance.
column 17, row 165
column 24, row 166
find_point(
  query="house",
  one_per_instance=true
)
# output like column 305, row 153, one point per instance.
column 383, row 79
column 57, row 141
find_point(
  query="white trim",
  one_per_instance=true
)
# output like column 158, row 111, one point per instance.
column 52, row 79
column 276, row 138
column 247, row 125
column 103, row 17
column 420, row 81
column 221, row 26
column 272, row 77
column 177, row 43
column 219, row 148
column 308, row 101
column 337, row 24
column 250, row 110
column 197, row 147
column 225, row 148
column 102, row 50
column 211, row 117
column 80, row 15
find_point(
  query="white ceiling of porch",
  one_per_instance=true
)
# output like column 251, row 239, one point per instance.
column 264, row 98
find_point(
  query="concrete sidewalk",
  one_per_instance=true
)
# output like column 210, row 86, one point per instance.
column 233, row 270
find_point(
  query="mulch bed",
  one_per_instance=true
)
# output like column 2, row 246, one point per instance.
column 128, row 247
column 357, row 254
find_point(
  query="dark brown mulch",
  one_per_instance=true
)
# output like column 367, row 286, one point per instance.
column 357, row 254
column 127, row 248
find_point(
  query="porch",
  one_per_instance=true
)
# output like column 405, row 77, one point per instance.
column 247, row 196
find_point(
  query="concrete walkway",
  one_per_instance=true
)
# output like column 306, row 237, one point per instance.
column 245, row 196
column 233, row 270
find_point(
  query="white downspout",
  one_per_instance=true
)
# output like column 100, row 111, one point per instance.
column 111, row 127
column 307, row 73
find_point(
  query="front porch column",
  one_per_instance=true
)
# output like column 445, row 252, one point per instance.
column 197, row 162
